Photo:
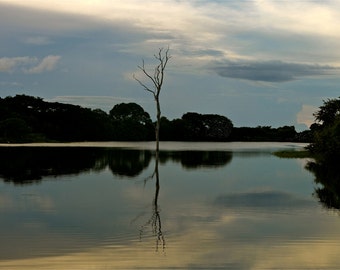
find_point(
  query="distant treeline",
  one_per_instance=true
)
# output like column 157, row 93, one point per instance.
column 267, row 133
column 31, row 119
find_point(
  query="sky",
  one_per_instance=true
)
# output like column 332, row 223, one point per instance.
column 257, row 62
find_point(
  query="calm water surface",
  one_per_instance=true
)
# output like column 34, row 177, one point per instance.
column 218, row 206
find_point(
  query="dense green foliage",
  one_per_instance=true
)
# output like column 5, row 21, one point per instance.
column 326, row 133
column 326, row 152
column 31, row 119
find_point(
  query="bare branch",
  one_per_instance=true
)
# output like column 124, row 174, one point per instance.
column 142, row 68
column 146, row 88
column 157, row 79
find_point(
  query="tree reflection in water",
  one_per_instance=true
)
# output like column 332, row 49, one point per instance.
column 327, row 177
column 28, row 165
column 155, row 219
column 189, row 160
column 198, row 159
column 128, row 163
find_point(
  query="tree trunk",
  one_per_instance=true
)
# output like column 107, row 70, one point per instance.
column 158, row 124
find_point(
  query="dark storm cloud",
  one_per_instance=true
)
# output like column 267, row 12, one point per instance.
column 271, row 71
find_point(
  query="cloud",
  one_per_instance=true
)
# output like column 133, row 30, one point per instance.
column 313, row 17
column 27, row 64
column 271, row 71
column 193, row 25
column 46, row 64
column 39, row 40
column 305, row 116
column 8, row 64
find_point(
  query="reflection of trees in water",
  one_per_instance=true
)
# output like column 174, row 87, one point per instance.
column 155, row 219
column 25, row 165
column 327, row 176
column 128, row 162
column 188, row 159
column 198, row 159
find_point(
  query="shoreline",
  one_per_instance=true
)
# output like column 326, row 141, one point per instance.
column 170, row 145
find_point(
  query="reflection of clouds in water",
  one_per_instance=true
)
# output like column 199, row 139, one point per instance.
column 306, row 255
column 302, row 162
column 137, row 194
column 6, row 202
column 200, row 247
column 262, row 200
column 206, row 236
column 41, row 203
column 38, row 202
column 265, row 199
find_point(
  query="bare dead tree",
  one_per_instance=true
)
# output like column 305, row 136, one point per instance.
column 157, row 79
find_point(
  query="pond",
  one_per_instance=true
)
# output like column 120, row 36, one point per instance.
column 204, row 206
